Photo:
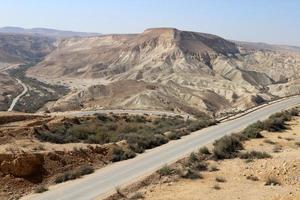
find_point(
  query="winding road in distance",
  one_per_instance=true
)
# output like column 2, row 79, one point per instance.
column 103, row 181
column 25, row 88
column 17, row 98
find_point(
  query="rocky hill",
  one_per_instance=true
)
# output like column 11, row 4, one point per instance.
column 45, row 32
column 16, row 48
column 169, row 69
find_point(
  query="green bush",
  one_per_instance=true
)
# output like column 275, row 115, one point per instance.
column 200, row 166
column 193, row 158
column 86, row 169
column 40, row 189
column 74, row 174
column 174, row 135
column 220, row 179
column 66, row 176
column 200, row 124
column 139, row 142
column 254, row 154
column 284, row 115
column 252, row 178
column 212, row 168
column 277, row 121
column 226, row 147
column 140, row 132
column 216, row 187
column 103, row 117
column 274, row 124
column 99, row 138
column 204, row 150
column 195, row 163
column 190, row 174
column 253, row 131
column 136, row 196
column 165, row 171
column 272, row 181
column 119, row 154
column 294, row 112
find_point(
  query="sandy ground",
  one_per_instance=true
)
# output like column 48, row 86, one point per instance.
column 284, row 165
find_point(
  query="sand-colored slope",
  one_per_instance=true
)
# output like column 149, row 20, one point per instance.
column 185, row 66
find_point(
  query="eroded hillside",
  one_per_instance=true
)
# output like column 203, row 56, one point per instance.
column 17, row 48
column 169, row 69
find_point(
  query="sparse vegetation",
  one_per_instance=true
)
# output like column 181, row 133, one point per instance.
column 189, row 173
column 119, row 192
column 40, row 189
column 212, row 168
column 274, row 125
column 136, row 196
column 220, row 179
column 165, row 171
column 253, row 131
column 86, row 169
column 289, row 139
column 173, row 136
column 272, row 181
column 204, row 150
column 216, row 187
column 121, row 154
column 140, row 132
column 39, row 93
column 199, row 124
column 252, row 178
column 277, row 122
column 227, row 147
column 268, row 141
column 254, row 155
column 74, row 174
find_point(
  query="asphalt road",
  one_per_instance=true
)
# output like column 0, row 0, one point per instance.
column 17, row 98
column 103, row 181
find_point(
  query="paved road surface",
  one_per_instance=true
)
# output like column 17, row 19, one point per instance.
column 17, row 98
column 105, row 180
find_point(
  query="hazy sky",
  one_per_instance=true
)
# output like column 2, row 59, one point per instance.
column 273, row 21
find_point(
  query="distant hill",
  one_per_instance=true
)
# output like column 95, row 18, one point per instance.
column 46, row 32
column 265, row 46
column 19, row 48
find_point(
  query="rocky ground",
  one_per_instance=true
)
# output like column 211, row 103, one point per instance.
column 27, row 162
column 273, row 178
column 41, row 150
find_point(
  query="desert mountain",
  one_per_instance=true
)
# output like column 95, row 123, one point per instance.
column 16, row 48
column 252, row 46
column 45, row 32
column 168, row 69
